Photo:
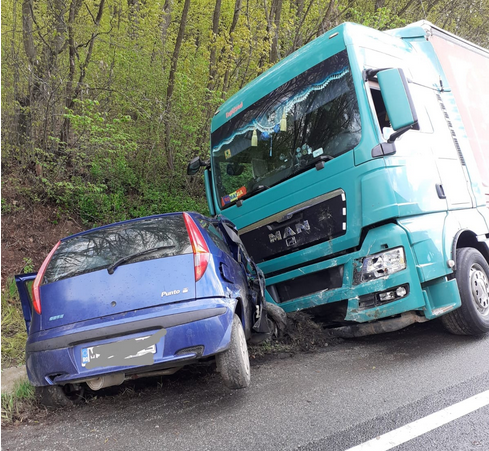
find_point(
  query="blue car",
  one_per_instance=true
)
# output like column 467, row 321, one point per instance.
column 139, row 298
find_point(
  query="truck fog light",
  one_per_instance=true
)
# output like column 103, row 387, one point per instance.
column 401, row 292
column 393, row 294
column 387, row 296
column 372, row 300
column 380, row 265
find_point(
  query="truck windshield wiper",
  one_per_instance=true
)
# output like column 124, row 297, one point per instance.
column 113, row 266
column 311, row 164
column 257, row 190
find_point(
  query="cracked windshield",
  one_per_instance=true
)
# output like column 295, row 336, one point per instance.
column 310, row 118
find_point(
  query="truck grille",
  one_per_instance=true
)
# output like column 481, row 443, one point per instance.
column 327, row 279
column 320, row 219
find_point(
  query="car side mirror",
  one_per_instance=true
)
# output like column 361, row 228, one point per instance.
column 398, row 101
column 195, row 165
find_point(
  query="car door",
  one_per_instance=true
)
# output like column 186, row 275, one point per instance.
column 24, row 287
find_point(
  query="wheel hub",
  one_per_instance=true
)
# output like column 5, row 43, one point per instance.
column 479, row 285
column 244, row 353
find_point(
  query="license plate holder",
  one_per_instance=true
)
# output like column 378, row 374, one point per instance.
column 132, row 351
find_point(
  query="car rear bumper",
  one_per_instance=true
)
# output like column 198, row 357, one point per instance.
column 184, row 333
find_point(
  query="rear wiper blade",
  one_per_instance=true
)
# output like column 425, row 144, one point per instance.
column 113, row 266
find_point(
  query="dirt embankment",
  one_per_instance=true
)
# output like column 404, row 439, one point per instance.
column 29, row 231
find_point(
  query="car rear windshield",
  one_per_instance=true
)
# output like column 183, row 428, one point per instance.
column 152, row 238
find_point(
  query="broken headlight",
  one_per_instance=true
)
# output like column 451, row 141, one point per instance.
column 380, row 265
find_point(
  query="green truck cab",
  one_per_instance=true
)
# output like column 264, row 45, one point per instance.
column 356, row 171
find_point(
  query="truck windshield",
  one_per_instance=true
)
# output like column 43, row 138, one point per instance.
column 312, row 117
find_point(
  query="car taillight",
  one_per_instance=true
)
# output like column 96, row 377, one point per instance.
column 199, row 247
column 36, row 286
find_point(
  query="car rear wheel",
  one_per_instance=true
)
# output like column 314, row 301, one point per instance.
column 59, row 395
column 472, row 318
column 234, row 363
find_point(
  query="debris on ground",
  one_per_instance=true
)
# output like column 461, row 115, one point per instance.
column 303, row 333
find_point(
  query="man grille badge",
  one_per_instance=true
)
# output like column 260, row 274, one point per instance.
column 288, row 233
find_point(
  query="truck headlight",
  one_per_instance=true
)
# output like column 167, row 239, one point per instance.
column 380, row 265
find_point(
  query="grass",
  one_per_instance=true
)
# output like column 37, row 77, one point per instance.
column 18, row 404
column 14, row 333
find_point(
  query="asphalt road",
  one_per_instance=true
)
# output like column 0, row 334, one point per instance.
column 332, row 399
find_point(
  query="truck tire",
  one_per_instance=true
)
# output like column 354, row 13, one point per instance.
column 58, row 396
column 234, row 363
column 279, row 318
column 472, row 275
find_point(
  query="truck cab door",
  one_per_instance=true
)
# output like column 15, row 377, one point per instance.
column 24, row 286
column 455, row 183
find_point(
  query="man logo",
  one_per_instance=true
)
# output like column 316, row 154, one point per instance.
column 289, row 234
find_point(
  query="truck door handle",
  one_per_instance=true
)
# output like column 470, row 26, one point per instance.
column 440, row 191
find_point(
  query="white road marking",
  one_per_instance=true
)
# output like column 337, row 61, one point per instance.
column 424, row 425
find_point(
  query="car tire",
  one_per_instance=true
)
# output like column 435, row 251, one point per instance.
column 234, row 363
column 59, row 396
column 472, row 275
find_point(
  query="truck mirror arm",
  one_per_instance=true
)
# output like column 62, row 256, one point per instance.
column 371, row 74
column 401, row 131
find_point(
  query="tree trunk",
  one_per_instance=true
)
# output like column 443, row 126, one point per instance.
column 133, row 6
column 212, row 64
column 379, row 4
column 212, row 81
column 171, row 84
column 325, row 22
column 165, row 22
column 275, row 14
column 237, row 9
column 73, row 92
column 299, row 20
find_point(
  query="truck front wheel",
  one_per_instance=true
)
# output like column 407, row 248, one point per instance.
column 472, row 275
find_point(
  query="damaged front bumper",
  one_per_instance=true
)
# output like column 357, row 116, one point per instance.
column 340, row 279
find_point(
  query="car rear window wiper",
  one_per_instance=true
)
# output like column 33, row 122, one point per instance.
column 113, row 266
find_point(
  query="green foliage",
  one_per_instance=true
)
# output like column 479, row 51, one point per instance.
column 6, row 207
column 14, row 404
column 381, row 19
column 28, row 265
column 14, row 333
column 86, row 122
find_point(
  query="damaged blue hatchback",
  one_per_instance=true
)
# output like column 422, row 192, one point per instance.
column 139, row 298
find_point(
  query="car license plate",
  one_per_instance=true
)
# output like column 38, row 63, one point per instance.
column 119, row 353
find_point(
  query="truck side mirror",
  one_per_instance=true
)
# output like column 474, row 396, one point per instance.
column 398, row 101
column 195, row 165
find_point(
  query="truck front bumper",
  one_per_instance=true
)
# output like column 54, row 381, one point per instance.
column 334, row 279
